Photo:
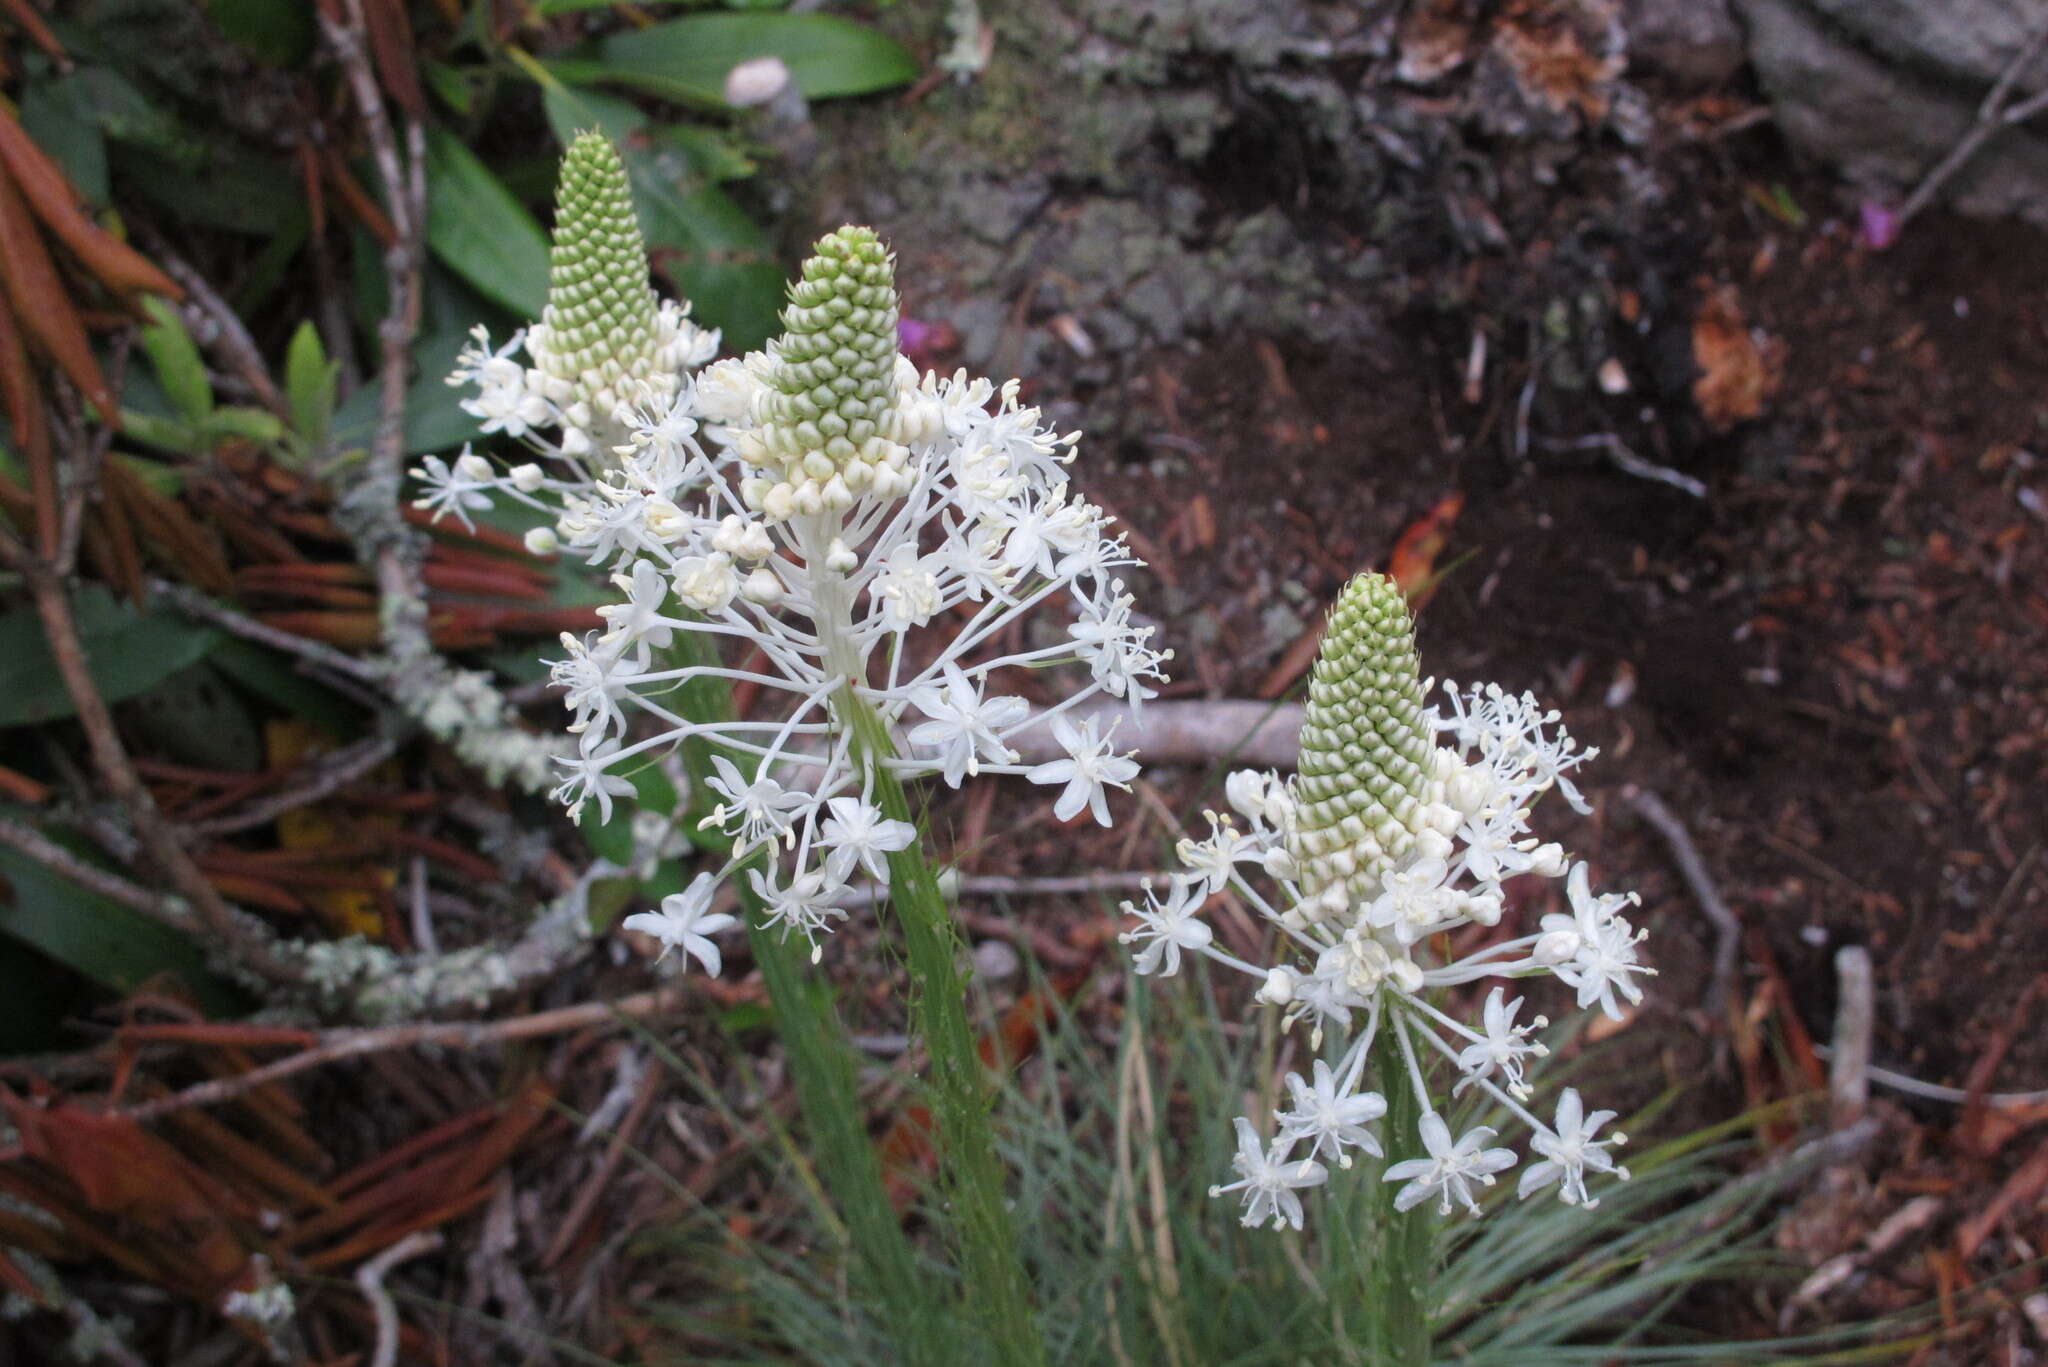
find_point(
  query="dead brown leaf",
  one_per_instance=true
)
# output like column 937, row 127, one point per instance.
column 1738, row 373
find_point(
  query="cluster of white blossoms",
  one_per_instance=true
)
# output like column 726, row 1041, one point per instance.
column 850, row 536
column 1388, row 850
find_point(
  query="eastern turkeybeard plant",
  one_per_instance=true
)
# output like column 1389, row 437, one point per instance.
column 865, row 542
column 876, row 555
column 1383, row 862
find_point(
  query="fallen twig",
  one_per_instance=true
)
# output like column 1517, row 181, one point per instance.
column 319, row 655
column 1992, row 115
column 1936, row 1091
column 335, row 1045
column 370, row 1279
column 323, row 777
column 1685, row 854
column 1855, row 1014
column 1256, row 735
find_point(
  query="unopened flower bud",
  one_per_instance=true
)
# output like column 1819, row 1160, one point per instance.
column 1278, row 989
column 763, row 587
column 528, row 477
column 474, row 467
column 542, row 541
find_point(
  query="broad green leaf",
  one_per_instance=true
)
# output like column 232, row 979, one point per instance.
column 229, row 191
column 687, row 59
column 115, row 947
column 175, row 358
column 455, row 87
column 309, row 386
column 50, row 113
column 274, row 32
column 480, row 231
column 127, row 651
column 268, row 676
column 434, row 420
column 39, row 1001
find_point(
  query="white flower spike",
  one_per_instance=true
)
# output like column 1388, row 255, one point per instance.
column 1398, row 831
column 852, row 537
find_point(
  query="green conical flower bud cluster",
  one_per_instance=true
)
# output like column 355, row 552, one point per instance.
column 828, row 428
column 1366, row 751
column 601, row 338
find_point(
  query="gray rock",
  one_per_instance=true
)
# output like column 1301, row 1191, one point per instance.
column 1883, row 121
column 1695, row 43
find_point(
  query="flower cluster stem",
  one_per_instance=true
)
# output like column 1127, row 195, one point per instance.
column 971, row 1174
column 1404, row 1263
column 821, row 1063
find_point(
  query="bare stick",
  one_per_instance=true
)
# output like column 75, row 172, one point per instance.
column 1855, row 1013
column 1935, row 1091
column 62, row 862
column 193, row 603
column 325, row 776
column 335, row 1045
column 370, row 1280
column 1685, row 854
column 1992, row 115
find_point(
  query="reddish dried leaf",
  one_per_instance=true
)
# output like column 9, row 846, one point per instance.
column 391, row 48
column 1412, row 566
column 23, row 13
column 54, row 198
column 118, row 1167
column 41, row 303
column 1738, row 374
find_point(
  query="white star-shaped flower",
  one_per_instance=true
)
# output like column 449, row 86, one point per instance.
column 1451, row 1168
column 1269, row 1178
column 1088, row 768
column 753, row 813
column 686, row 920
column 964, row 725
column 1170, row 927
column 1330, row 1117
column 1569, row 1153
column 1504, row 1046
column 858, row 835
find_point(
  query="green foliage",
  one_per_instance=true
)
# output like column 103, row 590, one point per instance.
column 1112, row 1151
column 175, row 356
column 687, row 59
column 103, row 940
column 128, row 651
column 480, row 231
column 274, row 32
column 310, row 388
